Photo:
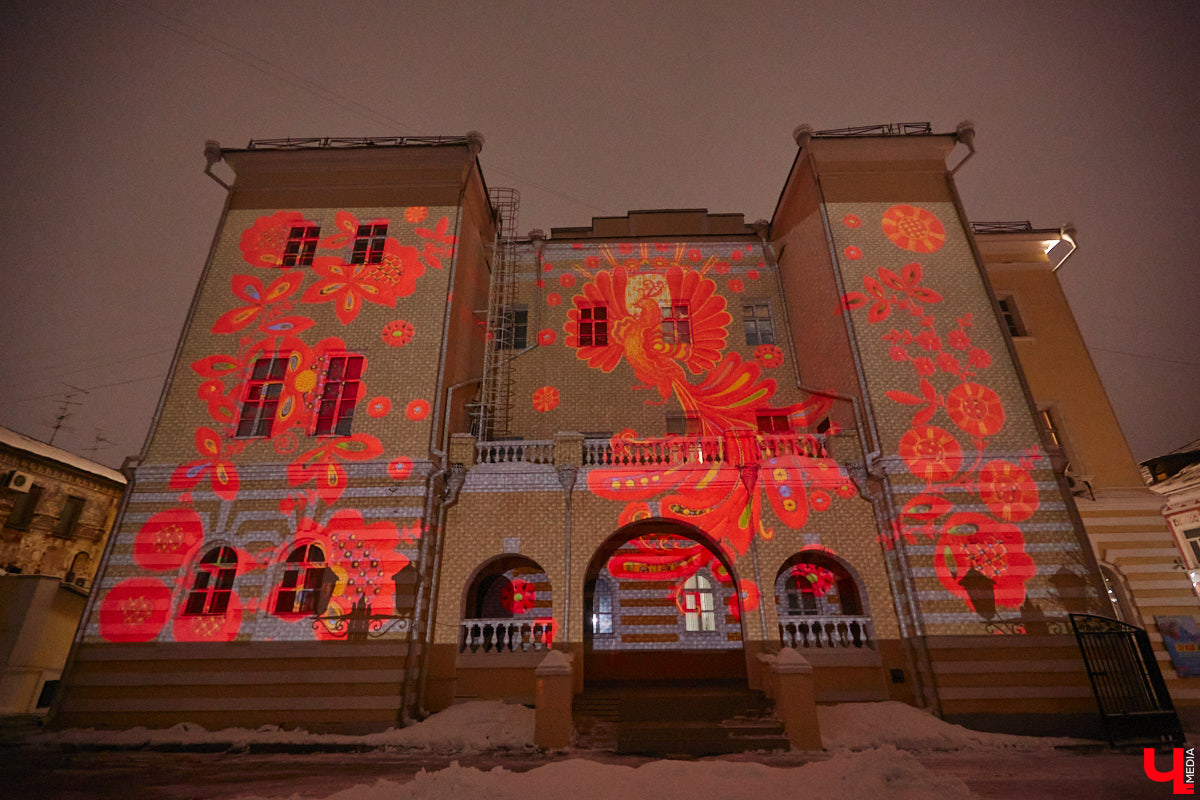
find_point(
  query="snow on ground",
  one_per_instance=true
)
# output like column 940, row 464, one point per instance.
column 885, row 772
column 465, row 728
column 860, row 726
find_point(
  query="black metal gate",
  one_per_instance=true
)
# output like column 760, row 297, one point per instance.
column 1129, row 687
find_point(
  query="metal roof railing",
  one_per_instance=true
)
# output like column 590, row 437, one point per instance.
column 886, row 129
column 335, row 142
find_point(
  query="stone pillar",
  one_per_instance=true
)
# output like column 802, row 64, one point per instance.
column 553, row 722
column 462, row 449
column 796, row 699
column 568, row 449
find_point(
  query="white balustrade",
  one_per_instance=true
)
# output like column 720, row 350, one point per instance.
column 514, row 451
column 825, row 631
column 497, row 636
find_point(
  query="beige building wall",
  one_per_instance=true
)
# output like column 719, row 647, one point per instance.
column 1123, row 518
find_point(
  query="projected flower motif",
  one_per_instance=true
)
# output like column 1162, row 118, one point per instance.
column 397, row 270
column 379, row 407
column 135, row 610
column 518, row 596
column 545, row 399
column 1008, row 491
column 975, row 409
column 566, row 280
column 931, row 453
column 397, row 333
column 223, row 476
column 983, row 562
column 322, row 465
column 400, row 468
column 553, row 299
column 851, row 221
column 165, row 541
column 364, row 557
column 250, row 290
column 417, row 410
column 768, row 356
column 547, row 336
column 813, row 579
column 439, row 243
column 415, row 214
column 913, row 228
column 853, row 253
column 736, row 286
column 347, row 286
column 262, row 244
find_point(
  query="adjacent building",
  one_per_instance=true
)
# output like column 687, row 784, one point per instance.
column 403, row 451
column 56, row 510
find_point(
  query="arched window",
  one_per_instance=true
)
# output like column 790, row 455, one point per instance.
column 214, row 582
column 77, row 574
column 696, row 601
column 302, row 577
column 816, row 585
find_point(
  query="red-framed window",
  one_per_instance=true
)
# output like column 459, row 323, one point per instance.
column 593, row 326
column 773, row 423
column 301, row 245
column 302, row 579
column 339, row 395
column 368, row 243
column 676, row 327
column 696, row 602
column 262, row 397
column 214, row 582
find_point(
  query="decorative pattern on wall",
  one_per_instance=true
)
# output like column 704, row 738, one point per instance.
column 270, row 387
column 979, row 558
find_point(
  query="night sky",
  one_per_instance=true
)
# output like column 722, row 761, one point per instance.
column 1085, row 111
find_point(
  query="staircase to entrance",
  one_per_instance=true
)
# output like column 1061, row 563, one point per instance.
column 693, row 718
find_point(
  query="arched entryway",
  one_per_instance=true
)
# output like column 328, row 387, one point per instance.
column 508, row 607
column 661, row 603
column 820, row 603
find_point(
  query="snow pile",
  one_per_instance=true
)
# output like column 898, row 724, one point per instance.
column 467, row 727
column 886, row 772
column 861, row 726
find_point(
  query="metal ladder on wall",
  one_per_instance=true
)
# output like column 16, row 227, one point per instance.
column 495, row 404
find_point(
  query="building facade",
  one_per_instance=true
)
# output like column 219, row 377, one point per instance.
column 56, row 510
column 403, row 451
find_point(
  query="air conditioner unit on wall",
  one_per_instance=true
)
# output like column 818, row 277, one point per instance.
column 19, row 481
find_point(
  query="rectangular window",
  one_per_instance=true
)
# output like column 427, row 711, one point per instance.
column 676, row 328
column 774, row 423
column 683, row 425
column 593, row 326
column 756, row 317
column 368, row 243
column 301, row 245
column 69, row 516
column 262, row 397
column 515, row 333
column 339, row 396
column 24, row 505
column 1192, row 537
column 1010, row 315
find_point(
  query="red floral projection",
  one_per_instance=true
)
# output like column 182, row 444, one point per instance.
column 978, row 558
column 167, row 540
column 545, row 399
column 135, row 610
column 518, row 596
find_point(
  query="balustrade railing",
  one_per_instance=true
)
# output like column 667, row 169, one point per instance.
column 505, row 635
column 826, row 631
column 504, row 452
column 694, row 450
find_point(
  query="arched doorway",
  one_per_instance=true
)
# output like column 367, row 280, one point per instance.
column 661, row 603
column 820, row 603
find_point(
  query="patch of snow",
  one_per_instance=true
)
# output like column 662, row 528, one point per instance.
column 886, row 772
column 467, row 727
column 861, row 726
column 19, row 441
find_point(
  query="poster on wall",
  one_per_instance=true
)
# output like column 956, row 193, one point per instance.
column 1182, row 639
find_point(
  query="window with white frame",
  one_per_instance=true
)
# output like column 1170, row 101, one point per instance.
column 696, row 602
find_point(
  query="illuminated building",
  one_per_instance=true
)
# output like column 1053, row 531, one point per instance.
column 56, row 510
column 666, row 443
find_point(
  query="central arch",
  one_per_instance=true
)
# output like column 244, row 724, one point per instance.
column 662, row 603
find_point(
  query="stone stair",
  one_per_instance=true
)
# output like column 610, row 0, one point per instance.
column 678, row 719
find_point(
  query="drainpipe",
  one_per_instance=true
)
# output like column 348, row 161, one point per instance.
column 474, row 146
column 566, row 479
column 449, row 496
column 1066, row 233
column 965, row 131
